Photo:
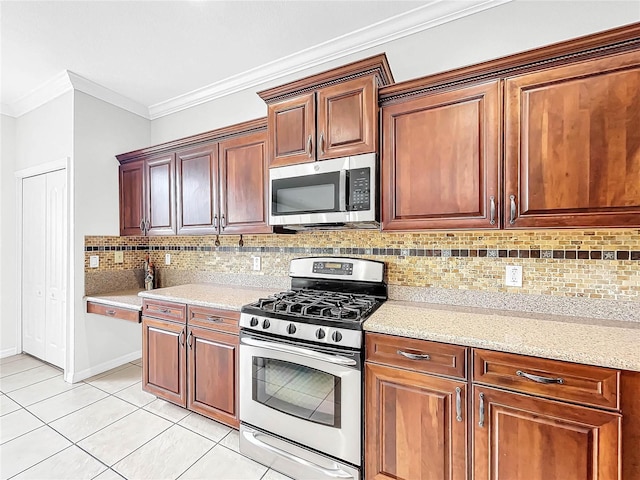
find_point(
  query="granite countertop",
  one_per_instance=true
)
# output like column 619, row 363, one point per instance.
column 606, row 343
column 125, row 299
column 209, row 295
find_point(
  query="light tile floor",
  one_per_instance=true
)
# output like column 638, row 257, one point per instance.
column 108, row 428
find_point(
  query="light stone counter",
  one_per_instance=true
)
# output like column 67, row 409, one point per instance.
column 209, row 295
column 599, row 342
column 126, row 299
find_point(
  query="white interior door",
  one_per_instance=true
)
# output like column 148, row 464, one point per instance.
column 55, row 268
column 44, row 261
column 34, row 253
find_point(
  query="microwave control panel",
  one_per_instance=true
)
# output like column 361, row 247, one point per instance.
column 359, row 189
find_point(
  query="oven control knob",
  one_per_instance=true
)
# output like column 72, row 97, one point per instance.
column 266, row 323
column 336, row 336
column 291, row 329
column 320, row 334
column 253, row 322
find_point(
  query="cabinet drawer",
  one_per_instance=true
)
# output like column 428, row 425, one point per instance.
column 418, row 355
column 584, row 384
column 223, row 320
column 166, row 310
column 114, row 312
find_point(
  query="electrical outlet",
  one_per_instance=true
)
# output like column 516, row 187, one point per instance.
column 513, row 276
column 167, row 259
column 118, row 257
column 94, row 261
column 256, row 263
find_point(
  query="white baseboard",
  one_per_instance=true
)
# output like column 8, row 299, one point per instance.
column 8, row 352
column 73, row 377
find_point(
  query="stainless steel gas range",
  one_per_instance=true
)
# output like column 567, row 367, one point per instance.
column 301, row 358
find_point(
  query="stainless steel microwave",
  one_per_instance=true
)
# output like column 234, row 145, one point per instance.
column 325, row 195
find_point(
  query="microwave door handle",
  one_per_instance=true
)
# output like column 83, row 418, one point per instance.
column 343, row 191
column 305, row 352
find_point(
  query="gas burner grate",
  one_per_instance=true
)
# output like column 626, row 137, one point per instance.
column 320, row 304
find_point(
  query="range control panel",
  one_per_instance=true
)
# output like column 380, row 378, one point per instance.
column 359, row 189
column 333, row 268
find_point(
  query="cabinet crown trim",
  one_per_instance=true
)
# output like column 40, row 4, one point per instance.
column 243, row 128
column 582, row 48
column 376, row 65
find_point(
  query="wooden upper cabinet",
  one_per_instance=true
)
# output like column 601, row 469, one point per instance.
column 196, row 192
column 160, row 215
column 291, row 126
column 243, row 184
column 132, row 198
column 518, row 437
column 347, row 119
column 572, row 138
column 441, row 160
column 328, row 115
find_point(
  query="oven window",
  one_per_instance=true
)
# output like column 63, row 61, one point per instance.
column 297, row 390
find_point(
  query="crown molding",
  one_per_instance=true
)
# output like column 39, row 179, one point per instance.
column 98, row 91
column 422, row 18
column 67, row 81
column 408, row 23
column 51, row 89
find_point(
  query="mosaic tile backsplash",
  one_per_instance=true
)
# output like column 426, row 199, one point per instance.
column 590, row 264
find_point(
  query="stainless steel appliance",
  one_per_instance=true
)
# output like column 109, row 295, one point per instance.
column 331, row 194
column 301, row 358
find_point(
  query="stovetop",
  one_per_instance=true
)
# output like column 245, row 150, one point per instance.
column 329, row 300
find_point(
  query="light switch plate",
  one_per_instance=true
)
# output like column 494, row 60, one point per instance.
column 167, row 259
column 94, row 261
column 118, row 256
column 513, row 276
column 256, row 263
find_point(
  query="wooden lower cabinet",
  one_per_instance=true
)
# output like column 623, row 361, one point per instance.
column 212, row 374
column 164, row 362
column 519, row 437
column 413, row 428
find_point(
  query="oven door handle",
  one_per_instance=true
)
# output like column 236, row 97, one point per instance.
column 333, row 473
column 280, row 347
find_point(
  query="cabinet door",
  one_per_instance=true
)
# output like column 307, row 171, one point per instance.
column 518, row 437
column 196, row 192
column 164, row 360
column 573, row 145
column 243, row 184
column 131, row 198
column 291, row 127
column 213, row 374
column 347, row 119
column 160, row 195
column 415, row 426
column 440, row 160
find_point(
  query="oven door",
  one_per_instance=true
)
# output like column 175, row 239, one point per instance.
column 309, row 193
column 311, row 396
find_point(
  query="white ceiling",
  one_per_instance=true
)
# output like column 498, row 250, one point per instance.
column 157, row 53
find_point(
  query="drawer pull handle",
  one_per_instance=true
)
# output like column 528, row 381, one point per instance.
column 458, row 404
column 165, row 310
column 492, row 220
column 539, row 379
column 512, row 218
column 110, row 312
column 415, row 356
column 181, row 337
column 190, row 339
column 215, row 319
column 481, row 422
